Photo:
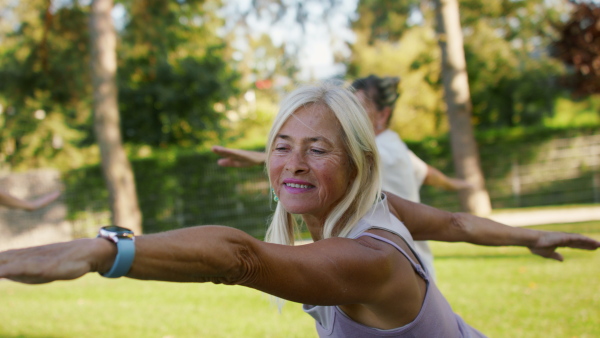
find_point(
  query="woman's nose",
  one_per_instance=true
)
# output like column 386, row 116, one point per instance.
column 296, row 163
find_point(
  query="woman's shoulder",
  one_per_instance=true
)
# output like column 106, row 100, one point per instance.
column 380, row 217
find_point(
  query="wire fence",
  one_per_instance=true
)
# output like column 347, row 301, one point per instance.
column 555, row 172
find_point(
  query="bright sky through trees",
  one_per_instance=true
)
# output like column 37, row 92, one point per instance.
column 316, row 45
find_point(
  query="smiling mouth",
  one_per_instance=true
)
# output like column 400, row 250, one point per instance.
column 294, row 185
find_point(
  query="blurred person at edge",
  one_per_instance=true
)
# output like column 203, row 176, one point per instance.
column 403, row 173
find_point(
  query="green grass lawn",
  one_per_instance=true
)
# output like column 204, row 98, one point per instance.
column 504, row 292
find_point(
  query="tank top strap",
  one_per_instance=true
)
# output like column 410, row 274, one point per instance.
column 415, row 266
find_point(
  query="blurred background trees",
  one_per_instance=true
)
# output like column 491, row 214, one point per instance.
column 579, row 47
column 192, row 73
column 512, row 77
column 186, row 67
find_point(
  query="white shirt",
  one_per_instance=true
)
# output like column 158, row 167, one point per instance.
column 402, row 174
column 402, row 171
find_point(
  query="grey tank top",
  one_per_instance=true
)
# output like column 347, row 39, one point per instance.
column 435, row 319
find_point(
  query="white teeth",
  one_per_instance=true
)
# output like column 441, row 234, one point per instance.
column 293, row 185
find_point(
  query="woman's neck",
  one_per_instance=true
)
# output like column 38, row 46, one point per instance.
column 315, row 226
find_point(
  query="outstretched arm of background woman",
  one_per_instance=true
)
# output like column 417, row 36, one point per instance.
column 239, row 158
column 11, row 201
column 428, row 223
column 437, row 178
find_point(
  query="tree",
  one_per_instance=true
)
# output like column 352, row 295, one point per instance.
column 45, row 86
column 458, row 101
column 512, row 78
column 579, row 47
column 115, row 165
column 380, row 22
column 173, row 73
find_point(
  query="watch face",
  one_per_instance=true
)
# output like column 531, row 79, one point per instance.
column 117, row 230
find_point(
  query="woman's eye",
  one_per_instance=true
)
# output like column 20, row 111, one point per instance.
column 317, row 151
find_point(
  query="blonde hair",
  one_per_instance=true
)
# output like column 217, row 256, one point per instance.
column 359, row 141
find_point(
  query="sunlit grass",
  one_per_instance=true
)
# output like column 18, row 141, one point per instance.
column 96, row 307
column 507, row 292
column 504, row 292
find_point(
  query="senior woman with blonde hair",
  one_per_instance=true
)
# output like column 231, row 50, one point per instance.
column 361, row 276
column 358, row 142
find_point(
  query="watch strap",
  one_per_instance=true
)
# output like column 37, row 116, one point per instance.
column 124, row 259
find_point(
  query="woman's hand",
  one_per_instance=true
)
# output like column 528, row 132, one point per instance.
column 549, row 241
column 60, row 261
column 239, row 158
column 45, row 200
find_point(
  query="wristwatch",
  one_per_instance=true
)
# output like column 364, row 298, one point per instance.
column 125, row 242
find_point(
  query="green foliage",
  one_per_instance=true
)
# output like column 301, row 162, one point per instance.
column 180, row 190
column 512, row 78
column 499, row 149
column 45, row 87
column 173, row 73
column 576, row 113
column 577, row 47
column 176, row 105
column 419, row 110
column 384, row 20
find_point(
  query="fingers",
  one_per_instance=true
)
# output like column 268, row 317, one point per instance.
column 555, row 255
column 547, row 253
column 222, row 151
column 16, row 270
column 44, row 264
column 577, row 241
column 219, row 150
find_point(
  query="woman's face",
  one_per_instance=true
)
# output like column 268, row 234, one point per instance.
column 309, row 165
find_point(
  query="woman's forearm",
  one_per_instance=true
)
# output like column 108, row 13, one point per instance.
column 483, row 231
column 197, row 254
column 428, row 223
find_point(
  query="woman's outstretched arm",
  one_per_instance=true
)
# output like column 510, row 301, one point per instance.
column 332, row 271
column 239, row 158
column 428, row 223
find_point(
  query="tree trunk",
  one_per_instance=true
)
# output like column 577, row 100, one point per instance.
column 115, row 165
column 458, row 100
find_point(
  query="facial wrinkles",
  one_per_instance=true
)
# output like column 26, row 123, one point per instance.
column 302, row 147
